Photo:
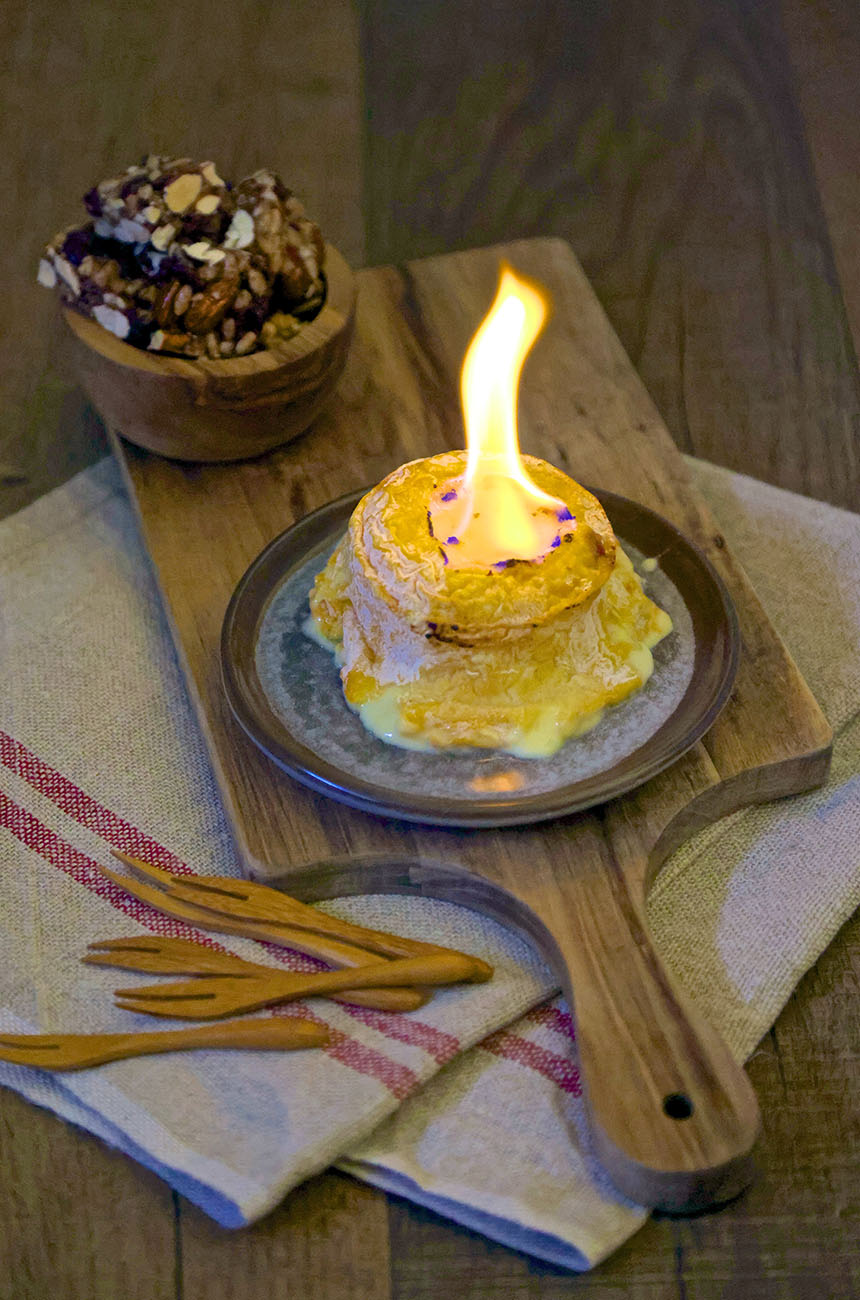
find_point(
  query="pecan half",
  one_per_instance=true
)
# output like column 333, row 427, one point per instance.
column 209, row 307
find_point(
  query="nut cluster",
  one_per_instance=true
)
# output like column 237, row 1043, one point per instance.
column 176, row 260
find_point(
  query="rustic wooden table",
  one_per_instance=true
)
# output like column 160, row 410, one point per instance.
column 702, row 158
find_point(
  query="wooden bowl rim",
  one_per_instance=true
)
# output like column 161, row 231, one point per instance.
column 333, row 317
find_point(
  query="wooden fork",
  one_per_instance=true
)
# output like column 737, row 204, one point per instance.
column 79, row 1051
column 327, row 949
column 262, row 903
column 224, row 995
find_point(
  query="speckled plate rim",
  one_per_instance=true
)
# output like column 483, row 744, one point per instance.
column 715, row 662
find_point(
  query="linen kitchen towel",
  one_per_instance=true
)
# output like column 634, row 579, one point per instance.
column 99, row 748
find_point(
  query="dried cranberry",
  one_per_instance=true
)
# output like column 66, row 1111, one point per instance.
column 77, row 244
column 131, row 186
column 93, row 202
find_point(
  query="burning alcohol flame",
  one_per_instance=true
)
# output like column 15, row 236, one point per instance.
column 497, row 512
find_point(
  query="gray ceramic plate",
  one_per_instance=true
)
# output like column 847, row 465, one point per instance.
column 284, row 690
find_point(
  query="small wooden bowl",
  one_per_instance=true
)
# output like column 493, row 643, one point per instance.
column 219, row 410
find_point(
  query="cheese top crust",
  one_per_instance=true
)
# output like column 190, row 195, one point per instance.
column 404, row 566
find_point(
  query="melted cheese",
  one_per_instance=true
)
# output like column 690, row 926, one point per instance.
column 494, row 679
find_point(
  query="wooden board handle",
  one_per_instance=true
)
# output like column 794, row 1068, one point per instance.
column 673, row 1116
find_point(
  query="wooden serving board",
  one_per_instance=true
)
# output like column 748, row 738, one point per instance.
column 577, row 886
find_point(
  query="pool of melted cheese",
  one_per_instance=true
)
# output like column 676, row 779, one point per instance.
column 503, row 680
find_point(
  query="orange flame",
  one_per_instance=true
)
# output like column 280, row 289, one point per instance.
column 501, row 514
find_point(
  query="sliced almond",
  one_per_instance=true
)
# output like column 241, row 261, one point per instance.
column 203, row 252
column 240, row 232
column 67, row 272
column 182, row 192
column 130, row 232
column 46, row 275
column 111, row 319
column 209, row 173
column 207, row 204
column 162, row 237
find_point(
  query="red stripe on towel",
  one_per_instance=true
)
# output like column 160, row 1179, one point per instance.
column 552, row 1017
column 560, row 1070
column 83, row 869
column 71, row 799
column 435, row 1042
column 398, row 1079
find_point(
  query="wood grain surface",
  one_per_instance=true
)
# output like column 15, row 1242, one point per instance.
column 702, row 160
column 664, row 141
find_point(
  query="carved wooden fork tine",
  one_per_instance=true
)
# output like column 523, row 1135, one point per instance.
column 158, row 874
column 226, row 995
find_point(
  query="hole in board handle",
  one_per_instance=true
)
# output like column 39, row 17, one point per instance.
column 677, row 1105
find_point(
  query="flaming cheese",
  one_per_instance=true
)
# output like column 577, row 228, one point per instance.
column 480, row 597
column 519, row 657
